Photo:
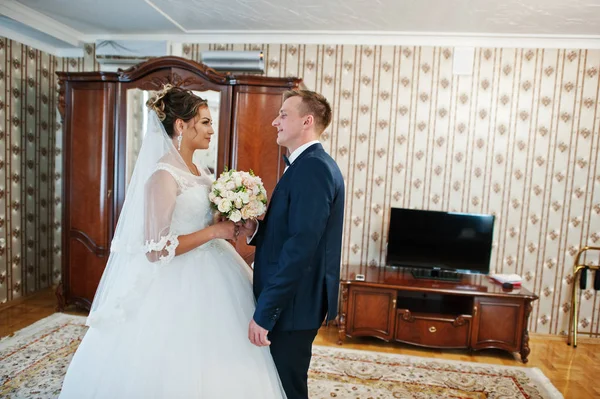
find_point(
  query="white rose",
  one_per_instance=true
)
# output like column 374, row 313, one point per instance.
column 258, row 208
column 235, row 216
column 238, row 202
column 224, row 206
column 230, row 185
column 255, row 189
column 247, row 181
column 237, row 180
column 212, row 196
column 261, row 208
column 247, row 212
column 244, row 197
column 230, row 195
column 261, row 197
column 219, row 187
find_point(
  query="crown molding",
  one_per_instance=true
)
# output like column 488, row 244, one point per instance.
column 41, row 22
column 40, row 45
column 69, row 52
column 372, row 38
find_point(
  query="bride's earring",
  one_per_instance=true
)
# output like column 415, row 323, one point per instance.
column 179, row 138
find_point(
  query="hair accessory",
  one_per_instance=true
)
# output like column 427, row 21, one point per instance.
column 154, row 101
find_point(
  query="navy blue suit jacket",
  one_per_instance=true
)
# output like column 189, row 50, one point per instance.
column 298, row 246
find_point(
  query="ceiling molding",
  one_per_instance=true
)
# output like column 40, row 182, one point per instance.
column 372, row 38
column 69, row 52
column 40, row 45
column 41, row 22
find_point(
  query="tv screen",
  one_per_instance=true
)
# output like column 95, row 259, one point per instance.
column 440, row 240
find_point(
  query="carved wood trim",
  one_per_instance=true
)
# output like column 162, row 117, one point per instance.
column 525, row 349
column 60, row 298
column 88, row 242
column 80, row 303
column 61, row 98
column 342, row 323
column 203, row 72
column 173, row 78
column 88, row 76
column 251, row 80
column 152, row 65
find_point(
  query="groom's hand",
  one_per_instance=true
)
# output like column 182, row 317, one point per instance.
column 258, row 335
column 247, row 229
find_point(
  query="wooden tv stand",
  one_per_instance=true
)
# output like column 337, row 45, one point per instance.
column 473, row 313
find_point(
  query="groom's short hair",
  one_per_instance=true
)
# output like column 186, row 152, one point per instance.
column 315, row 104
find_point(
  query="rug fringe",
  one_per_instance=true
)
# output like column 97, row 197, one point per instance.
column 546, row 384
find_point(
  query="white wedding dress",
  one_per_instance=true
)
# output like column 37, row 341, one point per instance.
column 180, row 327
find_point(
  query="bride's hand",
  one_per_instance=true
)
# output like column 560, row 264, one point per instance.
column 226, row 230
column 217, row 217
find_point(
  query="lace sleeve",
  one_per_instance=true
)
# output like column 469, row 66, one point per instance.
column 161, row 193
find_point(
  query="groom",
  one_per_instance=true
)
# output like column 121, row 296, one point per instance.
column 298, row 243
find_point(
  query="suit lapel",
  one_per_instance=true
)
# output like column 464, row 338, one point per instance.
column 283, row 180
column 312, row 148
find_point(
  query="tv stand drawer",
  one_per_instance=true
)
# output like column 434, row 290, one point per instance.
column 433, row 330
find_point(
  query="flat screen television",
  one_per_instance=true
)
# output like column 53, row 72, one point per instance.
column 443, row 241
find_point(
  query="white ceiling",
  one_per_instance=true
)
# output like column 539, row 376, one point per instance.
column 291, row 20
column 561, row 17
column 104, row 16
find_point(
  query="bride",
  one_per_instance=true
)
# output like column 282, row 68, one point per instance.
column 170, row 316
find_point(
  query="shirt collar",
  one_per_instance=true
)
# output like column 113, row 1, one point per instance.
column 294, row 155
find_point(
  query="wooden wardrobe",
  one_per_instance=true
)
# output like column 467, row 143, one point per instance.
column 93, row 106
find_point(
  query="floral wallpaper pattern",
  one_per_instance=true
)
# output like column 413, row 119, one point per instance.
column 518, row 139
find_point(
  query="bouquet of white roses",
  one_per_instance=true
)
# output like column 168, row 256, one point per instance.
column 238, row 196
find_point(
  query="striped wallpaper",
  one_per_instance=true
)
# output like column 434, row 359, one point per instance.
column 518, row 139
column 30, row 167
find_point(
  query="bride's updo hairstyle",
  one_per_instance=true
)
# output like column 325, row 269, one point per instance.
column 172, row 103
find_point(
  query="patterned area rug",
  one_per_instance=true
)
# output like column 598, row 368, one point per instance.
column 33, row 363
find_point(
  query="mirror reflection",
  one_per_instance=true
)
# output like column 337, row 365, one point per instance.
column 137, row 121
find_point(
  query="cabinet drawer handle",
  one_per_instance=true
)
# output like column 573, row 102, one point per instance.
column 432, row 329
